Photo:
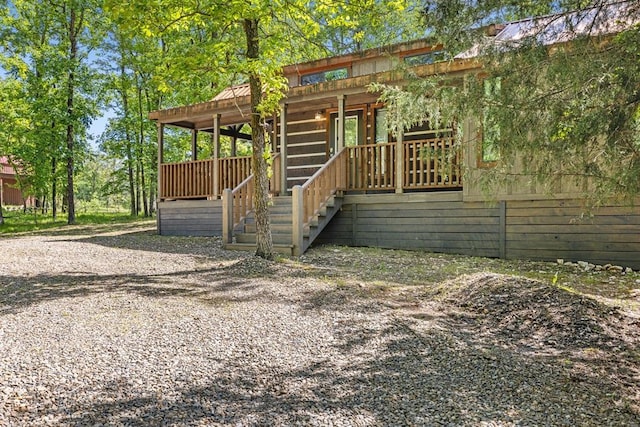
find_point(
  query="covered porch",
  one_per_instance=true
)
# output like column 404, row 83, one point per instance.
column 328, row 139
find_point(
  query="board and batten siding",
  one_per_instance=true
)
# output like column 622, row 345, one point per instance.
column 190, row 218
column 544, row 230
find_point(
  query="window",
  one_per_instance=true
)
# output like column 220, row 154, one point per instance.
column 324, row 76
column 489, row 152
column 425, row 58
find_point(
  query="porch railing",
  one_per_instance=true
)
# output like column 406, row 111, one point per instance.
column 192, row 180
column 371, row 167
column 187, row 180
column 431, row 163
column 232, row 171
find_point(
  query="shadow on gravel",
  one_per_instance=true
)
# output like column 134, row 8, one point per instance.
column 435, row 377
column 19, row 292
column 149, row 241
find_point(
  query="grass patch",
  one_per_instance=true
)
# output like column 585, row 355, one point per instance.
column 19, row 222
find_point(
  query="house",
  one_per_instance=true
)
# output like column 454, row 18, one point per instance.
column 10, row 195
column 339, row 177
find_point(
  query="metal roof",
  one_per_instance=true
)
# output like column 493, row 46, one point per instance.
column 560, row 28
column 233, row 92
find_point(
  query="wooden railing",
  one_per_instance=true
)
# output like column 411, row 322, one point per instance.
column 237, row 203
column 310, row 198
column 323, row 184
column 232, row 171
column 187, row 180
column 431, row 163
column 276, row 173
column 192, row 180
column 371, row 167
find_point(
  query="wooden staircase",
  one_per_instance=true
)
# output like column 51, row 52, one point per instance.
column 295, row 221
column 281, row 220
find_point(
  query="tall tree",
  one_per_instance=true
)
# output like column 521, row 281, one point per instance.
column 79, row 33
column 45, row 46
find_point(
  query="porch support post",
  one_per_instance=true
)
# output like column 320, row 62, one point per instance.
column 234, row 140
column 215, row 136
column 283, row 149
column 194, row 144
column 399, row 161
column 340, row 130
column 160, row 159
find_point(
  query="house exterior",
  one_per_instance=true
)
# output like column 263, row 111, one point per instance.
column 10, row 195
column 339, row 177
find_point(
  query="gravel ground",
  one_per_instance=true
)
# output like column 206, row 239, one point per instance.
column 129, row 328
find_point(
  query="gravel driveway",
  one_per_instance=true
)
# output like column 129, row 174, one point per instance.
column 130, row 328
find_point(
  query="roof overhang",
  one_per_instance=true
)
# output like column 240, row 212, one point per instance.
column 298, row 98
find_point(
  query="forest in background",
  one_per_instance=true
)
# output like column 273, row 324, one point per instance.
column 65, row 63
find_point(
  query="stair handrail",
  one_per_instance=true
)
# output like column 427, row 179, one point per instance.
column 312, row 196
column 236, row 206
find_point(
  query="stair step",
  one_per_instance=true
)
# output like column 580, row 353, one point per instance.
column 280, row 218
column 251, row 238
column 276, row 228
column 250, row 247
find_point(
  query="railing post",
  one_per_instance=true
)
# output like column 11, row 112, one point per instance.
column 227, row 216
column 340, row 131
column 297, row 215
column 160, row 191
column 400, row 161
column 194, row 144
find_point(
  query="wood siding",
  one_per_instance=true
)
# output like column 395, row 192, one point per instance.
column 9, row 194
column 438, row 222
column 442, row 222
column 306, row 146
column 552, row 229
column 190, row 218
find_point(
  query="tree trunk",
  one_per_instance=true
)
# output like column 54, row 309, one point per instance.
column 129, row 149
column 54, row 188
column 137, row 188
column 143, row 184
column 73, row 51
column 140, row 149
column 264, row 241
column 1, row 215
